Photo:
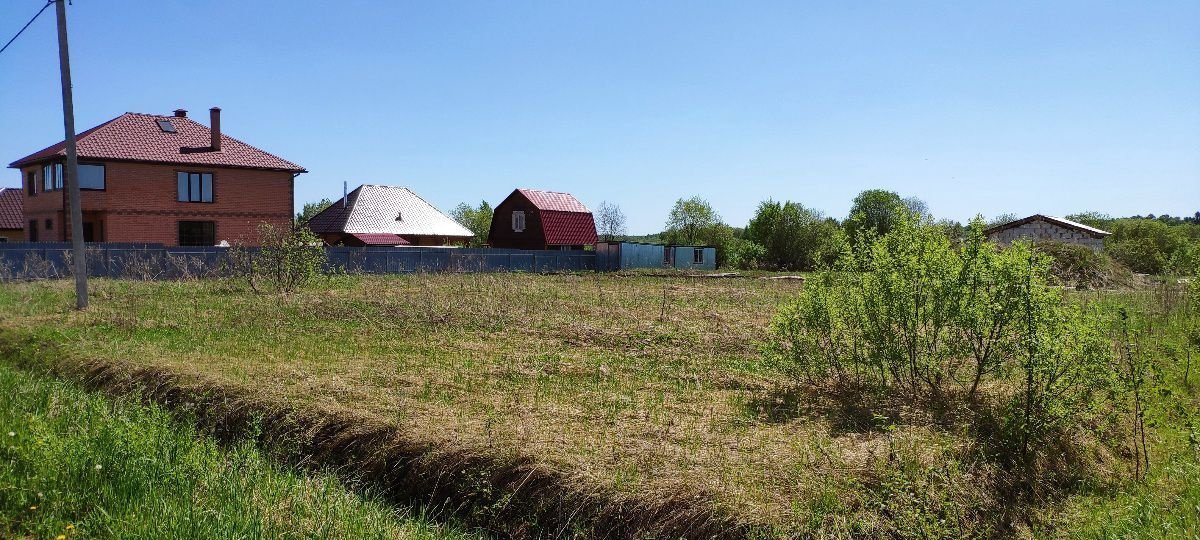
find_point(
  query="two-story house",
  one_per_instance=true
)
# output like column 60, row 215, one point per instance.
column 159, row 179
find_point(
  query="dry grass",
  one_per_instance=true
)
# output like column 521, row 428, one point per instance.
column 646, row 387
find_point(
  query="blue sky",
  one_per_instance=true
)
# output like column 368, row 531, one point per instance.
column 976, row 107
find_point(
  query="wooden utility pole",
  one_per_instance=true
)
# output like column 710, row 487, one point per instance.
column 71, row 182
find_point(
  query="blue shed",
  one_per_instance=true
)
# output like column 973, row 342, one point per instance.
column 614, row 256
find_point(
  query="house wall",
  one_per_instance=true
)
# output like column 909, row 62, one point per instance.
column 685, row 258
column 1043, row 230
column 139, row 203
column 501, row 234
column 12, row 235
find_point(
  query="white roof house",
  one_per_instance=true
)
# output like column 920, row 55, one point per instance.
column 386, row 216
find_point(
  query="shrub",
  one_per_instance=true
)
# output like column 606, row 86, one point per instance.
column 1081, row 267
column 911, row 313
column 287, row 260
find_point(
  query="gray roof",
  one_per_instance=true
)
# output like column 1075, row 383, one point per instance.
column 386, row 209
column 1050, row 219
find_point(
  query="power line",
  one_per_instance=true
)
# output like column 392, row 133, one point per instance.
column 39, row 14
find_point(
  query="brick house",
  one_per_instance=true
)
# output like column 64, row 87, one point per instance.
column 12, row 220
column 159, row 179
column 535, row 219
column 1048, row 228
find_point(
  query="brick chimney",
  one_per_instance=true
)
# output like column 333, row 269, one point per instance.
column 214, row 128
column 180, row 113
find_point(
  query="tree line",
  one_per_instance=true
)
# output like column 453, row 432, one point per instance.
column 786, row 235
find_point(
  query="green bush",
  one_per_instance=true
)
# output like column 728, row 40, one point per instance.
column 914, row 314
column 287, row 260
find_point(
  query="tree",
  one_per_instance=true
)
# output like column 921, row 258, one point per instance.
column 875, row 211
column 691, row 221
column 1092, row 219
column 311, row 209
column 478, row 220
column 610, row 221
column 1002, row 219
column 794, row 237
column 918, row 207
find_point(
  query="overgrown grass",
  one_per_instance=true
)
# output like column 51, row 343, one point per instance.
column 637, row 385
column 81, row 465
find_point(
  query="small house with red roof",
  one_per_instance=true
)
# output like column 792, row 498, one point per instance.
column 159, row 179
column 12, row 220
column 375, row 215
column 536, row 219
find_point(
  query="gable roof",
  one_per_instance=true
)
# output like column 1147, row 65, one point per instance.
column 553, row 200
column 1065, row 223
column 11, row 214
column 565, row 220
column 137, row 137
column 374, row 209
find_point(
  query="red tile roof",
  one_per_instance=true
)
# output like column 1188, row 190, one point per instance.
column 137, row 137
column 380, row 239
column 11, row 215
column 554, row 200
column 568, row 228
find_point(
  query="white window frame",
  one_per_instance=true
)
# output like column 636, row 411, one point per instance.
column 518, row 221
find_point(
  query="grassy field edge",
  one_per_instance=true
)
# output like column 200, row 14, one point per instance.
column 509, row 494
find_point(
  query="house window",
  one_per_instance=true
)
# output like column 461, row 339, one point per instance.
column 31, row 180
column 91, row 176
column 195, row 187
column 33, row 230
column 49, row 224
column 518, row 221
column 698, row 256
column 197, row 233
column 52, row 177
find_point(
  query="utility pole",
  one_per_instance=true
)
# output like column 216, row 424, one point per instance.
column 71, row 183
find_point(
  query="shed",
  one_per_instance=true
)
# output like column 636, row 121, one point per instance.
column 377, row 215
column 535, row 219
column 1041, row 227
column 613, row 256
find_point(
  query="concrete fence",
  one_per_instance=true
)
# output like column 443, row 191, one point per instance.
column 46, row 260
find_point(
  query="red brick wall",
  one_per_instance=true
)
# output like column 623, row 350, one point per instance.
column 139, row 203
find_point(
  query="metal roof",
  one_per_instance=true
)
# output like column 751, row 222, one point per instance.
column 1050, row 219
column 554, row 200
column 138, row 137
column 379, row 239
column 11, row 214
column 378, row 209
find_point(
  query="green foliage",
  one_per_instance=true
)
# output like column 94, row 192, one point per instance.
column 874, row 211
column 73, row 463
column 1098, row 220
column 477, row 219
column 746, row 255
column 286, row 260
column 927, row 319
column 694, row 222
column 794, row 237
column 1151, row 246
column 311, row 209
column 1083, row 268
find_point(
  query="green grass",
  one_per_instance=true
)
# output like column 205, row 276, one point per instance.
column 644, row 386
column 78, row 464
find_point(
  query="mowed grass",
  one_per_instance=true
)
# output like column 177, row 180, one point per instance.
column 637, row 385
column 77, row 464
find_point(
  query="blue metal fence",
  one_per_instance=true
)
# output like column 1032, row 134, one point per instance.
column 41, row 260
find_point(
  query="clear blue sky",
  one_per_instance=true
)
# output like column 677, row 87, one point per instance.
column 976, row 107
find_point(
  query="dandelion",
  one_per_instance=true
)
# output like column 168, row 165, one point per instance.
column 32, row 508
column 12, row 434
column 61, row 537
column 99, row 466
column 70, row 527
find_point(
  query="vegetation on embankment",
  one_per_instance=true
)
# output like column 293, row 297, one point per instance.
column 627, row 389
column 83, row 465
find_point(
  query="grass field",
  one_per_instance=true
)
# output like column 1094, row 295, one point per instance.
column 636, row 386
column 79, row 465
